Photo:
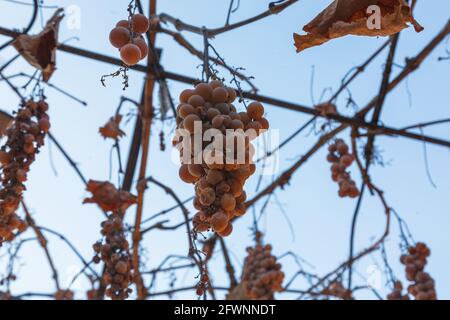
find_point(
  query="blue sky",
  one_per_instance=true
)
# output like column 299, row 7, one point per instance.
column 320, row 219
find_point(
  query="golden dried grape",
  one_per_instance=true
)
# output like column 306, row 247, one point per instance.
column 196, row 100
column 189, row 122
column 140, row 23
column 119, row 37
column 185, row 95
column 227, row 231
column 219, row 221
column 185, row 175
column 185, row 110
column 219, row 95
column 232, row 95
column 142, row 44
column 255, row 110
column 228, row 202
column 204, row 90
column 130, row 54
column 123, row 23
column 215, row 84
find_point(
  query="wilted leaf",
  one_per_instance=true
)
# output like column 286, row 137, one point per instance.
column 352, row 17
column 111, row 128
column 40, row 50
column 5, row 121
column 108, row 197
column 326, row 108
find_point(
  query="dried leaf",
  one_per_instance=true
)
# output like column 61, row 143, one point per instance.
column 326, row 109
column 108, row 197
column 164, row 99
column 111, row 128
column 5, row 122
column 40, row 50
column 351, row 17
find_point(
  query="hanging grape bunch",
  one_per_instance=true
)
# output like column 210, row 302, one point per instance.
column 341, row 160
column 220, row 174
column 336, row 289
column 113, row 250
column 64, row 295
column 422, row 287
column 127, row 37
column 262, row 275
column 397, row 293
column 24, row 138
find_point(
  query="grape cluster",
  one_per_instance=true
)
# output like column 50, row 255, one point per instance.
column 92, row 294
column 5, row 296
column 262, row 275
column 423, row 286
column 24, row 138
column 341, row 159
column 127, row 37
column 219, row 174
column 397, row 293
column 114, row 253
column 63, row 295
column 113, row 250
column 336, row 289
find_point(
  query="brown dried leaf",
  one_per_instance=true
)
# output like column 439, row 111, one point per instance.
column 326, row 109
column 350, row 17
column 108, row 197
column 40, row 50
column 5, row 122
column 111, row 128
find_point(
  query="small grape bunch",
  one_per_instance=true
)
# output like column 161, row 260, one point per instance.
column 25, row 136
column 423, row 286
column 219, row 166
column 127, row 37
column 336, row 289
column 113, row 250
column 397, row 293
column 64, row 295
column 114, row 253
column 262, row 275
column 341, row 159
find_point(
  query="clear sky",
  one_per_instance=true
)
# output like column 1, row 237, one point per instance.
column 319, row 218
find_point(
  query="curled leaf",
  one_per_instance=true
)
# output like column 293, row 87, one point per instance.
column 5, row 122
column 40, row 50
column 372, row 18
column 111, row 128
column 107, row 197
column 326, row 109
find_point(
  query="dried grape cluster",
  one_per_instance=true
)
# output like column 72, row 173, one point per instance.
column 341, row 159
column 220, row 166
column 64, row 295
column 25, row 136
column 397, row 293
column 423, row 286
column 127, row 37
column 262, row 275
column 113, row 250
column 336, row 289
